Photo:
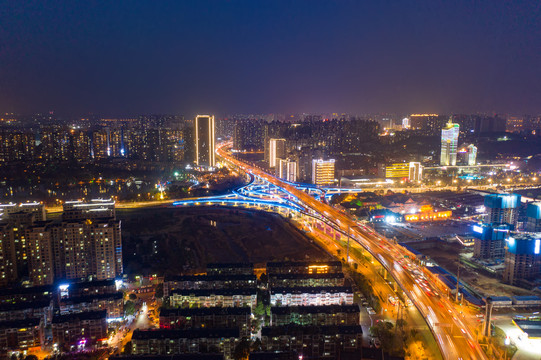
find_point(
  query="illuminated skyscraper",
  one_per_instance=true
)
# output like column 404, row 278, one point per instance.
column 472, row 155
column 277, row 150
column 322, row 171
column 406, row 123
column 204, row 140
column 449, row 143
column 415, row 171
column 287, row 170
column 467, row 155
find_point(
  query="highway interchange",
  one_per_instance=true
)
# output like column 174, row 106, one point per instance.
column 452, row 330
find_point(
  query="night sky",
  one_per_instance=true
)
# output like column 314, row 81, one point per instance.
column 187, row 57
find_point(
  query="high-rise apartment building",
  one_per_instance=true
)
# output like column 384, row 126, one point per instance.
column 502, row 208
column 248, row 134
column 322, row 171
column 522, row 258
column 40, row 254
column 81, row 145
column 415, row 171
column 55, row 143
column 533, row 217
column 472, row 155
column 105, row 248
column 514, row 124
column 287, row 170
column 490, row 240
column 90, row 248
column 204, row 140
column 16, row 145
column 467, row 155
column 8, row 261
column 85, row 245
column 449, row 143
column 71, row 249
column 277, row 151
column 100, row 144
column 428, row 124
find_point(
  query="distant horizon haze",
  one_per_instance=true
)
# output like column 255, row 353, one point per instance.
column 189, row 57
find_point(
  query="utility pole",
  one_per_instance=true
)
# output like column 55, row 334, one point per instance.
column 457, row 279
column 347, row 251
column 397, row 317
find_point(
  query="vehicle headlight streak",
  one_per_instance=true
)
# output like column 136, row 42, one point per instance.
column 441, row 322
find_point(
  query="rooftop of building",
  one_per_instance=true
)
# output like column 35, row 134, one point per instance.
column 213, row 277
column 169, row 357
column 311, row 290
column 527, row 298
column 45, row 290
column 229, row 265
column 530, row 327
column 276, row 264
column 92, row 297
column 209, row 292
column 338, row 275
column 20, row 324
column 88, row 315
column 534, row 210
column 294, row 330
column 323, row 309
column 25, row 305
column 89, row 284
column 525, row 236
column 271, row 355
column 206, row 311
column 193, row 333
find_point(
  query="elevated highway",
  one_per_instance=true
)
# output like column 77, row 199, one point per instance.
column 455, row 339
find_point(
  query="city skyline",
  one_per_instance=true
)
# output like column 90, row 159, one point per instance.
column 246, row 180
column 121, row 58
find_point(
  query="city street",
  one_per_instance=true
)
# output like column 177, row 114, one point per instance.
column 383, row 290
column 455, row 339
column 140, row 321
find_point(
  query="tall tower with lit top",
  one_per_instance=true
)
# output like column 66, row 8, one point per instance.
column 449, row 144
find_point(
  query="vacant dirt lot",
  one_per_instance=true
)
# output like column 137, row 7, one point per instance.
column 484, row 283
column 176, row 240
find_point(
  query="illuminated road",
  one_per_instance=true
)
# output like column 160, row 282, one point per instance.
column 455, row 339
column 257, row 193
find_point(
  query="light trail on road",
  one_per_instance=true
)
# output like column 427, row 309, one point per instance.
column 455, row 340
